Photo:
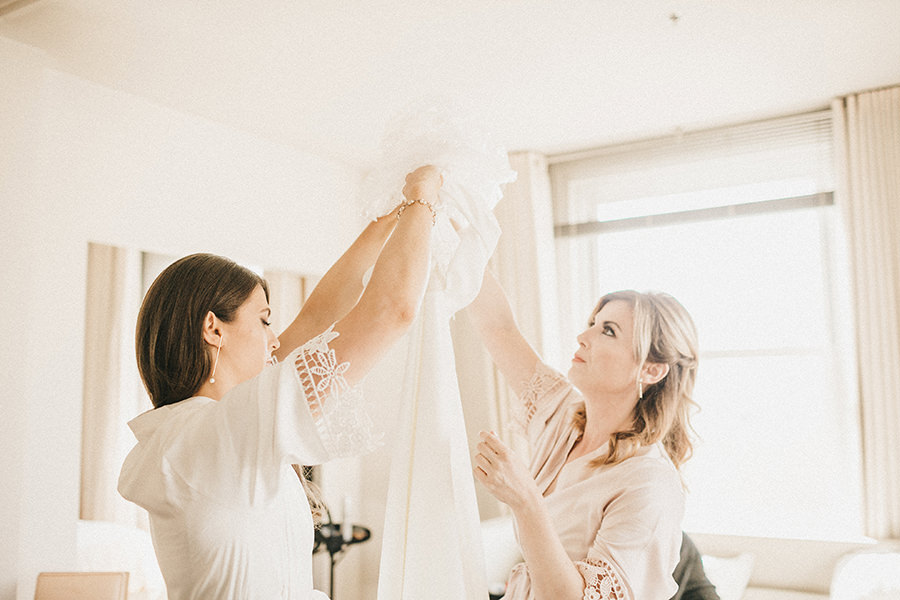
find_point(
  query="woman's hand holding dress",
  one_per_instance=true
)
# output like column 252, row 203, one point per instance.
column 503, row 473
column 553, row 574
column 423, row 184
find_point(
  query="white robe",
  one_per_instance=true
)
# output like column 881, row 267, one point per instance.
column 228, row 516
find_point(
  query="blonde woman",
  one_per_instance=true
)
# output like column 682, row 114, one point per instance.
column 598, row 512
column 214, row 460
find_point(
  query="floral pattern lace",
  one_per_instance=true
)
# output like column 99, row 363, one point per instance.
column 534, row 388
column 601, row 582
column 336, row 407
column 542, row 380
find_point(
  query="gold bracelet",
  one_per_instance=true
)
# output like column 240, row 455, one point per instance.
column 423, row 203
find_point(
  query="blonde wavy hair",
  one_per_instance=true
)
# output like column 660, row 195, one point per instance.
column 663, row 333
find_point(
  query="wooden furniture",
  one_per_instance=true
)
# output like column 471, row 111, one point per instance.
column 82, row 586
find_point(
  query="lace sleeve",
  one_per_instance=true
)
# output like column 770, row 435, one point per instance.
column 601, row 582
column 538, row 393
column 343, row 424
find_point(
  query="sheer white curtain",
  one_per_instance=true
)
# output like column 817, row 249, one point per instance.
column 867, row 136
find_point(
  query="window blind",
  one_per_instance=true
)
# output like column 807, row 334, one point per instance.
column 787, row 157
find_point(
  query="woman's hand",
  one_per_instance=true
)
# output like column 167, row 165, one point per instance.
column 552, row 572
column 423, row 184
column 503, row 473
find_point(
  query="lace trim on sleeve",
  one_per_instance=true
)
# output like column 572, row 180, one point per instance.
column 601, row 582
column 542, row 381
column 533, row 389
column 343, row 424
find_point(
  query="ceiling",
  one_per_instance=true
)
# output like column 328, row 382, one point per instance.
column 547, row 75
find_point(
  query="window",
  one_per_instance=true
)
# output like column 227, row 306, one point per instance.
column 740, row 225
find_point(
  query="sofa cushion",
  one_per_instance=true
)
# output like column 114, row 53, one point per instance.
column 730, row 575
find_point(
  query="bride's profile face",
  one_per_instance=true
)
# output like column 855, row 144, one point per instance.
column 248, row 340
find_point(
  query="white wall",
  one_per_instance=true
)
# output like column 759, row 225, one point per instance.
column 79, row 163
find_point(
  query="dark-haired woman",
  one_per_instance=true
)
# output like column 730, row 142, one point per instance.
column 214, row 462
column 598, row 512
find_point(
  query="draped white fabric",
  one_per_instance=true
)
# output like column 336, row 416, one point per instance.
column 432, row 545
column 432, row 542
column 867, row 135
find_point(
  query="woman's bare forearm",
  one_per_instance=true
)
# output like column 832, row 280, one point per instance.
column 490, row 310
column 340, row 288
column 493, row 318
column 391, row 300
column 553, row 574
column 399, row 276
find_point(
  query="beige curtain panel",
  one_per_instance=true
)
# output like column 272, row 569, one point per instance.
column 111, row 386
column 287, row 293
column 867, row 141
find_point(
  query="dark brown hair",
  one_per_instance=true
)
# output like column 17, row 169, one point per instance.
column 172, row 355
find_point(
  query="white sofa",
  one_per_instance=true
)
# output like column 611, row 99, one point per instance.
column 742, row 568
column 790, row 569
column 779, row 569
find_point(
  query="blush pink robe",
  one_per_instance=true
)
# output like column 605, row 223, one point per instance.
column 620, row 525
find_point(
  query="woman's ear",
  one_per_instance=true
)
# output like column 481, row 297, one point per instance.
column 211, row 329
column 654, row 372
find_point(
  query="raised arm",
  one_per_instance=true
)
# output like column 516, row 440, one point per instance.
column 389, row 303
column 339, row 290
column 493, row 319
